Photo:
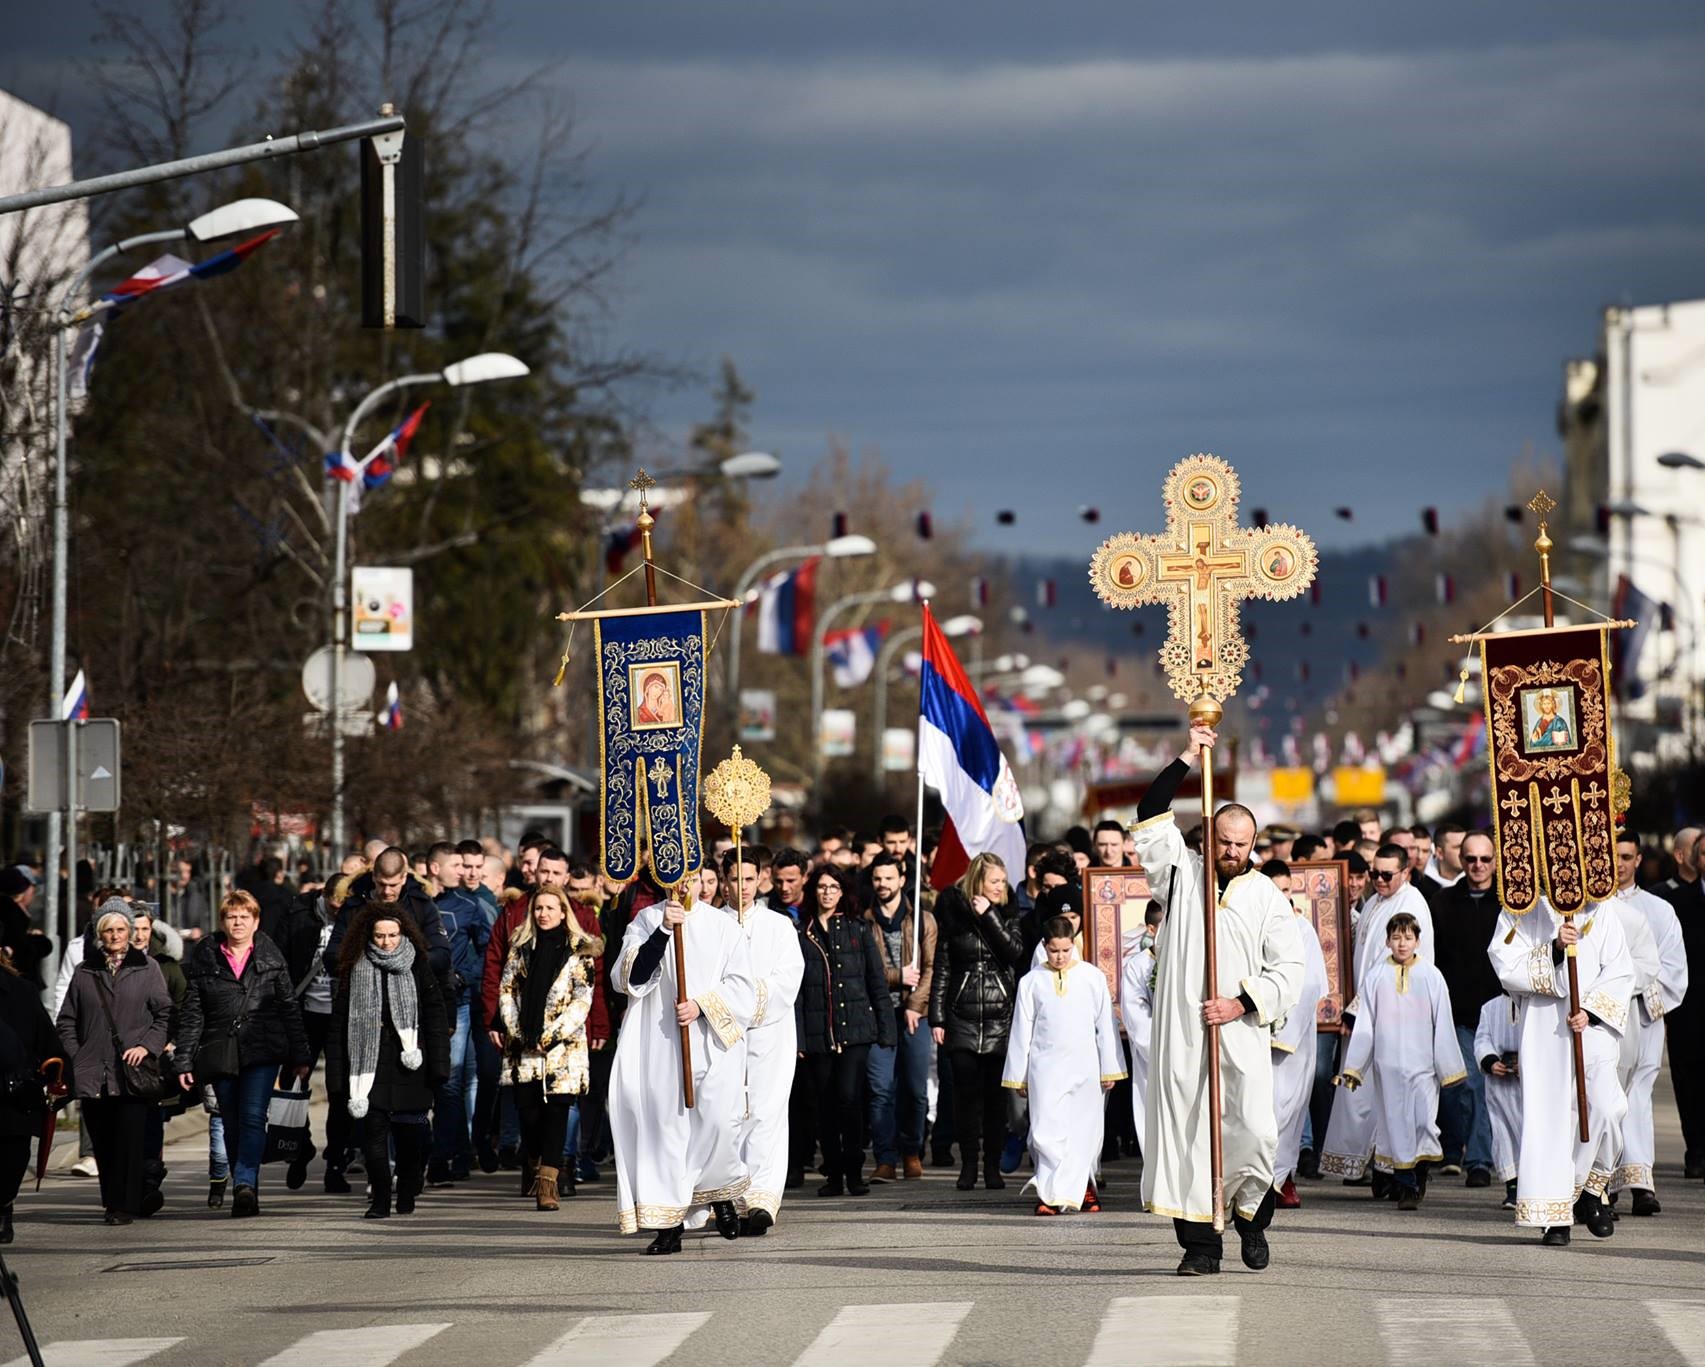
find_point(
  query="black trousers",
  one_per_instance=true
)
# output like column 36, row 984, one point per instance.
column 14, row 1163
column 488, row 1095
column 595, row 1102
column 337, row 1113
column 837, row 1088
column 1687, row 1076
column 411, row 1139
column 979, row 1108
column 1199, row 1236
column 801, row 1122
column 118, row 1128
column 544, row 1123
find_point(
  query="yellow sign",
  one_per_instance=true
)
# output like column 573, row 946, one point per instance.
column 1293, row 785
column 1358, row 787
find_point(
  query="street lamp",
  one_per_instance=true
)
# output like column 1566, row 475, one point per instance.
column 965, row 625
column 479, row 369
column 911, row 591
column 240, row 216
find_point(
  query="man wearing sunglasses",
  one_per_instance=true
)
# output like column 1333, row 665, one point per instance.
column 1467, row 915
column 1349, row 1134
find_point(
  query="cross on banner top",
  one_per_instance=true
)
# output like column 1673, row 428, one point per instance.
column 1202, row 567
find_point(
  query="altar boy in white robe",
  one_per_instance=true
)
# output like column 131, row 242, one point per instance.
column 669, row 1158
column 1294, row 1041
column 1497, row 1053
column 1559, row 1179
column 1259, row 968
column 1063, row 1053
column 1405, row 1038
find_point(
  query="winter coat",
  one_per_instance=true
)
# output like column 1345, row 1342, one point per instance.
column 271, row 1032
column 843, row 997
column 395, row 1088
column 978, row 960
column 27, row 1037
column 464, row 920
column 917, row 998
column 418, row 907
column 141, row 1011
column 561, row 1060
column 17, row 934
column 298, row 938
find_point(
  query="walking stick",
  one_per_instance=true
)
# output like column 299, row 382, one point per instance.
column 1205, row 711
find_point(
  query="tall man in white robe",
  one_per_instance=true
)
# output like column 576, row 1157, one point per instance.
column 1660, row 983
column 771, row 1044
column 1348, row 1146
column 668, row 1158
column 1063, row 1053
column 1294, row 1040
column 1559, row 1179
column 1260, row 968
column 1497, row 1053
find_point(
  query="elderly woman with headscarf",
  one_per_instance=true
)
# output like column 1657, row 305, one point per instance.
column 388, row 1048
column 116, row 1012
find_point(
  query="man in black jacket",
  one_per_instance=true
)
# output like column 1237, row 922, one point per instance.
column 391, row 881
column 1685, row 1026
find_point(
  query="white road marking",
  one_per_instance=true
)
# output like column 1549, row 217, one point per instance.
column 373, row 1346
column 1167, row 1331
column 913, row 1334
column 1683, row 1323
column 620, row 1340
column 98, row 1352
column 1448, row 1329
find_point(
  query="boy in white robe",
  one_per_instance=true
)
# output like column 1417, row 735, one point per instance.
column 1063, row 1053
column 669, row 1158
column 1660, row 983
column 1497, row 1051
column 1259, row 977
column 1560, row 1179
column 1136, row 1012
column 1405, row 1037
column 1349, row 1141
column 1294, row 1041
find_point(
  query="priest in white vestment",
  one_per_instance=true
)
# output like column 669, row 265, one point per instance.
column 1260, row 970
column 1348, row 1145
column 1063, row 1054
column 669, row 1158
column 1558, row 1178
column 1294, row 1040
column 1136, row 1014
column 1497, row 1053
column 1660, row 983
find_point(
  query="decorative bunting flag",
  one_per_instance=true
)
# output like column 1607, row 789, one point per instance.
column 1445, row 586
column 75, row 705
column 787, row 610
column 392, row 717
column 852, row 653
column 1376, row 591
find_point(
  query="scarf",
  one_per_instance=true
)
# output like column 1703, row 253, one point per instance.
column 367, row 990
column 547, row 954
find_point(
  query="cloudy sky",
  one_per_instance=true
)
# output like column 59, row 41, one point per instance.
column 1034, row 254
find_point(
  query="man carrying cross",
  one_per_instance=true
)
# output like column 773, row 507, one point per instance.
column 1260, row 972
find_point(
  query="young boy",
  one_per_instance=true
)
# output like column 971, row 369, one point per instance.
column 1063, row 1053
column 1496, row 1041
column 1406, row 1038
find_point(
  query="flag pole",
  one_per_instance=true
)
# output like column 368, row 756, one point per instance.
column 918, row 841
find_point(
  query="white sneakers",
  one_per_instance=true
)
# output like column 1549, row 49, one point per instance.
column 85, row 1167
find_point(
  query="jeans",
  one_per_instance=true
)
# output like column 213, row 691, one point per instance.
column 218, row 1165
column 453, row 1105
column 1464, row 1121
column 488, row 1064
column 899, row 1093
column 242, row 1106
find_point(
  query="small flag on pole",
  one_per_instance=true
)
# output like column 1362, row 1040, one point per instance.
column 75, row 705
column 1376, row 591
column 392, row 717
column 1445, row 585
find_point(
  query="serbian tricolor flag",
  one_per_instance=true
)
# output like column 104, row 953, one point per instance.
column 959, row 757
column 384, row 458
column 852, row 654
column 787, row 610
column 75, row 705
column 166, row 271
column 392, row 717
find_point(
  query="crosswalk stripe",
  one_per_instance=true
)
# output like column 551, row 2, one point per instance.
column 913, row 1334
column 98, row 1352
column 373, row 1346
column 1683, row 1323
column 1167, row 1331
column 1422, row 1330
column 621, row 1340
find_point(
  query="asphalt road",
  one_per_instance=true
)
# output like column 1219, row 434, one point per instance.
column 913, row 1275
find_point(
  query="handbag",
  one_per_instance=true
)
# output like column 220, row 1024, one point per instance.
column 219, row 1058
column 142, row 1080
column 287, row 1138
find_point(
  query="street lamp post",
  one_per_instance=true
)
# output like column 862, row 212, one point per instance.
column 912, row 591
column 954, row 626
column 240, row 216
column 487, row 366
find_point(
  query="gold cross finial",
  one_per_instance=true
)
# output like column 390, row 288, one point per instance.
column 1541, row 503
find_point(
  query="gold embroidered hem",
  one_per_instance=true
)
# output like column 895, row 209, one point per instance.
column 763, row 1003
column 1283, row 1048
column 1114, row 1077
column 731, row 1192
column 1654, row 1001
column 720, row 1018
column 1607, row 1008
column 1143, row 825
column 1540, row 978
column 636, row 1218
column 1338, row 1165
column 1634, row 1175
column 1013, row 1086
column 767, row 1201
column 1597, row 1181
column 1403, row 971
column 1452, row 1080
column 1392, row 1165
column 1545, row 1214
column 1249, row 985
column 1167, row 1211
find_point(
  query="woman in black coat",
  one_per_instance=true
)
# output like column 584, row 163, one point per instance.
column 238, row 1025
column 979, row 954
column 27, row 1040
column 841, row 1010
column 388, row 1047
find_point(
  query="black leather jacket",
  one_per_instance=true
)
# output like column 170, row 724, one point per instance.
column 843, row 997
column 977, row 963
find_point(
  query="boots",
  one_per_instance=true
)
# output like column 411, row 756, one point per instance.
column 544, row 1189
column 529, row 1175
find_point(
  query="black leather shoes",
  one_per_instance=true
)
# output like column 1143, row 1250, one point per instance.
column 667, row 1241
column 1595, row 1215
column 1555, row 1237
column 833, row 1187
column 1645, row 1202
column 1478, row 1177
column 756, row 1224
column 967, row 1178
column 856, row 1185
column 727, row 1219
column 1256, row 1255
column 1198, row 1265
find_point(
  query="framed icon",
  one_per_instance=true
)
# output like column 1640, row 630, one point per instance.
column 1549, row 719
column 654, row 696
column 1320, row 890
column 1114, row 903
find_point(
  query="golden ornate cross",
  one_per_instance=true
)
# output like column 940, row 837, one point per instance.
column 1202, row 567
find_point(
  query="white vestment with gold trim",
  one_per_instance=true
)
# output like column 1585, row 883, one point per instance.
column 1660, row 982
column 1293, row 1054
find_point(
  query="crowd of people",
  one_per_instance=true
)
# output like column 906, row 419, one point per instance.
column 480, row 1010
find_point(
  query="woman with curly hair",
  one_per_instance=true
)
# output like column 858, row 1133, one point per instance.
column 388, row 1047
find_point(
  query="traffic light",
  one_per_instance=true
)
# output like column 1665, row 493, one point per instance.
column 393, row 231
